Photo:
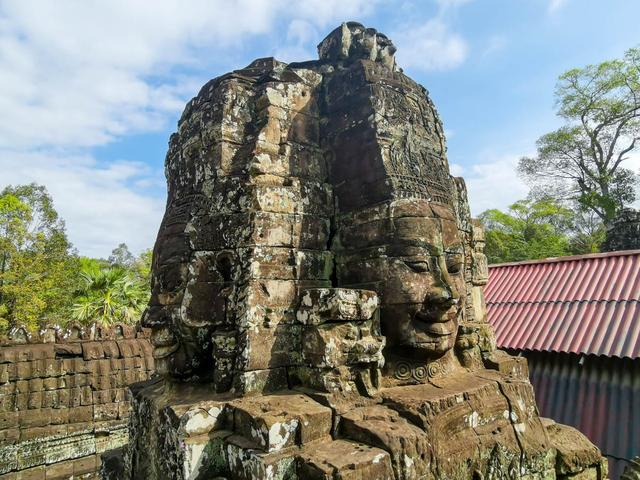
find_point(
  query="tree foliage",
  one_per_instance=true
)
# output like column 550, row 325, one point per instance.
column 141, row 268
column 43, row 280
column 113, row 290
column 138, row 267
column 584, row 160
column 587, row 233
column 122, row 257
column 530, row 229
column 109, row 295
column 37, row 264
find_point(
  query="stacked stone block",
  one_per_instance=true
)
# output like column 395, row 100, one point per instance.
column 63, row 397
column 279, row 436
column 341, row 341
column 315, row 432
column 249, row 147
column 338, row 351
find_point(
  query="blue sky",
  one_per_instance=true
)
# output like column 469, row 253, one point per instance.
column 90, row 91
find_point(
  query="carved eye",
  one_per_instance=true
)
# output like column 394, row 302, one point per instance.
column 454, row 263
column 225, row 267
column 418, row 266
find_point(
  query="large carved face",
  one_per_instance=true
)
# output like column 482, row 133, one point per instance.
column 424, row 290
column 188, row 302
column 419, row 276
column 178, row 348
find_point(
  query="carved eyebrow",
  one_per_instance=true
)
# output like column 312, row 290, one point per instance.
column 415, row 258
column 421, row 265
column 415, row 248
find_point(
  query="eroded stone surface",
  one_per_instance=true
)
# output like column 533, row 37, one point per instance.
column 344, row 460
column 275, row 422
column 577, row 457
column 317, row 307
column 336, row 304
column 411, row 454
column 63, row 396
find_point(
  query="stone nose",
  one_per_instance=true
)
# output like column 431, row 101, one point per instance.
column 444, row 293
column 441, row 296
column 154, row 317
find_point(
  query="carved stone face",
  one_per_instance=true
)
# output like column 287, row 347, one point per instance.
column 181, row 329
column 419, row 277
column 177, row 350
column 422, row 296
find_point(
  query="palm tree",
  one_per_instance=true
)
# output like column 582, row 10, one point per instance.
column 109, row 295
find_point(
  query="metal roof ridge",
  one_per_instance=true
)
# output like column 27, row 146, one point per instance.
column 557, row 302
column 562, row 353
column 569, row 258
column 569, row 352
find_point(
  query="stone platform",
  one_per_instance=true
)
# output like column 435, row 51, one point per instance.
column 488, row 419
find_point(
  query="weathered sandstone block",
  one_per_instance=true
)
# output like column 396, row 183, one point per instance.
column 336, row 304
column 317, row 307
column 63, row 397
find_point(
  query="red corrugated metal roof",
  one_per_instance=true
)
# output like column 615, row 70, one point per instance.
column 583, row 304
column 599, row 396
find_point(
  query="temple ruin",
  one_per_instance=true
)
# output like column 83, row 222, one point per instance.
column 317, row 307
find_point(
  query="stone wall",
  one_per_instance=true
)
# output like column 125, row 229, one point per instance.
column 624, row 233
column 63, row 397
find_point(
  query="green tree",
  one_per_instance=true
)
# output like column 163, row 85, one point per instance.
column 122, row 257
column 138, row 267
column 108, row 295
column 530, row 229
column 88, row 263
column 584, row 160
column 588, row 232
column 141, row 268
column 37, row 265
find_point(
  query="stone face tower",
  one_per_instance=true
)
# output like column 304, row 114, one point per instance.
column 624, row 233
column 317, row 308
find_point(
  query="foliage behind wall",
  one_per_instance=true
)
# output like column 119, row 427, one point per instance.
column 44, row 280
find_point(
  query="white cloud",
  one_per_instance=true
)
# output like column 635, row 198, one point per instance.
column 496, row 43
column 325, row 13
column 98, row 203
column 494, row 184
column 456, row 169
column 81, row 73
column 301, row 38
column 78, row 72
column 555, row 5
column 432, row 45
column 444, row 4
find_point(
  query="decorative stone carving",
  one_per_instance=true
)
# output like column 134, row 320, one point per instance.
column 63, row 397
column 352, row 41
column 317, row 308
